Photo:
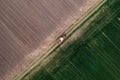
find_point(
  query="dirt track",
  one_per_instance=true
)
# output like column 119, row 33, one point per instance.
column 25, row 25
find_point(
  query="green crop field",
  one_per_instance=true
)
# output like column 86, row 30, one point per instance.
column 94, row 56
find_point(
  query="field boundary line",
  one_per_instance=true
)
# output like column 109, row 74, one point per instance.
column 70, row 31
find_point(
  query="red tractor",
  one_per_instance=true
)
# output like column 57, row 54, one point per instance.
column 61, row 38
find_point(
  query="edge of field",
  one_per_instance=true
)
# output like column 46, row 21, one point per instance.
column 71, row 29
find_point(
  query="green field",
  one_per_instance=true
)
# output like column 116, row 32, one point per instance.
column 94, row 56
